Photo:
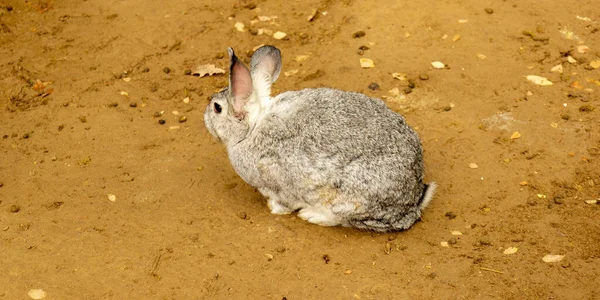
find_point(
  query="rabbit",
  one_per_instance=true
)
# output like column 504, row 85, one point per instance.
column 336, row 157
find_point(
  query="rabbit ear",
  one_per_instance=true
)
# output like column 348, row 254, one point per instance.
column 240, row 84
column 265, row 66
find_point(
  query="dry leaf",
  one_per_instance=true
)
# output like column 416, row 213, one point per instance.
column 473, row 166
column 583, row 48
column 576, row 85
column 40, row 86
column 539, row 80
column 438, row 64
column 481, row 56
column 47, row 92
column 400, row 76
column 552, row 258
column 300, row 58
column 591, row 201
column 515, row 135
column 394, row 92
column 290, row 73
column 511, row 250
column 366, row 63
column 208, row 69
column 36, row 294
column 595, row 64
column 571, row 59
column 557, row 69
column 279, row 35
column 112, row 197
column 312, row 15
column 239, row 26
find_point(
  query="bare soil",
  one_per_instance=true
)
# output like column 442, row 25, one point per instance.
column 82, row 85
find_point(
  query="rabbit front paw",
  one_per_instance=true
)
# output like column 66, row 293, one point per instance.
column 278, row 208
column 319, row 215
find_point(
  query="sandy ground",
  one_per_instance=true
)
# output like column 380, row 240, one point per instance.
column 81, row 83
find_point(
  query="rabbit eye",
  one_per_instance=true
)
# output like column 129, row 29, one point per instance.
column 218, row 108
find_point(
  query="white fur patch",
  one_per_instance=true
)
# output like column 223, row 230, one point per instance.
column 319, row 215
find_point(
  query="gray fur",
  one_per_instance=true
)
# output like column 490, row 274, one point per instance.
column 340, row 158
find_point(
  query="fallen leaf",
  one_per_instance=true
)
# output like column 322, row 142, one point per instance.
column 291, row 72
column 112, row 197
column 541, row 196
column 511, row 250
column 279, row 35
column 47, row 92
column 39, row 85
column 539, row 80
column 400, row 76
column 576, row 85
column 571, row 59
column 595, row 64
column 557, row 69
column 473, row 166
column 515, row 135
column 583, row 18
column 591, row 201
column 239, row 26
column 300, row 58
column 583, row 48
column 438, row 64
column 366, row 63
column 36, row 294
column 550, row 258
column 312, row 15
column 208, row 69
column 481, row 56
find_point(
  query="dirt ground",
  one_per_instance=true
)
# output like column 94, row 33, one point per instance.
column 82, row 85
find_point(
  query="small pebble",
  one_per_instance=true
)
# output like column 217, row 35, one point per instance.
column 113, row 104
column 83, row 119
column 14, row 208
column 485, row 242
column 220, row 55
column 424, row 77
column 242, row 215
column 358, row 34
column 411, row 84
column 26, row 135
column 157, row 114
column 450, row 215
column 326, row 258
column 182, row 119
column 280, row 249
column 489, row 11
column 145, row 70
column 1, row 184
column 187, row 72
column 161, row 121
column 432, row 275
column 132, row 104
column 373, row 86
column 565, row 117
column 407, row 90
column 360, row 52
column 363, row 48
column 452, row 241
column 167, row 70
column 558, row 200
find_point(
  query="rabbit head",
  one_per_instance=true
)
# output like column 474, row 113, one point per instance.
column 235, row 109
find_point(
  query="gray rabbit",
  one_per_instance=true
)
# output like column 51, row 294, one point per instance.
column 339, row 158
